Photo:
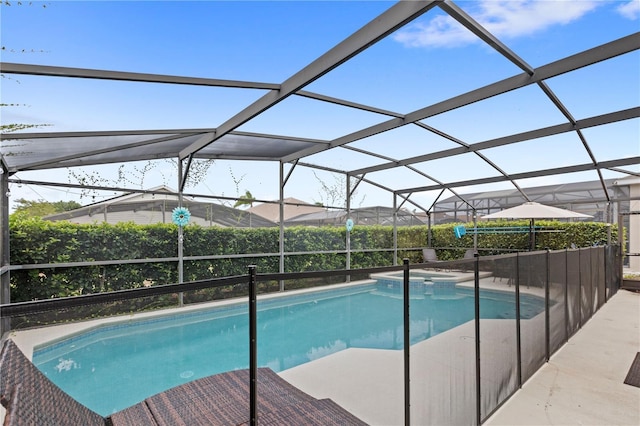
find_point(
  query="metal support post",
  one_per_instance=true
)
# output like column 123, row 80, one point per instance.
column 475, row 231
column 5, row 259
column 180, row 236
column 407, row 345
column 395, row 229
column 348, row 229
column 476, row 294
column 281, row 223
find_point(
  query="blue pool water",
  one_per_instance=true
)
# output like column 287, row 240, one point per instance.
column 115, row 366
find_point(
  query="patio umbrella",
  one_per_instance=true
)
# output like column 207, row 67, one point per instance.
column 532, row 210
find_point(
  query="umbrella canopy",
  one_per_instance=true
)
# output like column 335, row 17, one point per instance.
column 533, row 210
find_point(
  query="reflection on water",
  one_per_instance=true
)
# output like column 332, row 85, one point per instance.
column 65, row 365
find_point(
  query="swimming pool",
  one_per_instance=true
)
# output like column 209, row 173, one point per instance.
column 112, row 367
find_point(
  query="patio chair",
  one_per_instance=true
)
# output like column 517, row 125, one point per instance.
column 469, row 254
column 32, row 399
column 430, row 255
column 502, row 271
column 467, row 266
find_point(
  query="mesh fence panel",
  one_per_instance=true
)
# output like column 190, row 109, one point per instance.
column 505, row 271
column 117, row 309
column 594, row 275
column 557, row 300
column 586, row 291
column 612, row 267
column 573, row 291
column 443, row 367
column 532, row 279
column 498, row 335
column 601, row 276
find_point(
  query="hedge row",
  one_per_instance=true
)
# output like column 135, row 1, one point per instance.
column 34, row 241
column 554, row 235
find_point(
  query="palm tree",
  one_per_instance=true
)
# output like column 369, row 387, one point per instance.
column 245, row 200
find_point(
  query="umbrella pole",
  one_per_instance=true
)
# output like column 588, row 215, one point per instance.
column 532, row 235
column 475, row 231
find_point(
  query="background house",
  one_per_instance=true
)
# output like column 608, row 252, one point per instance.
column 292, row 208
column 156, row 206
column 377, row 215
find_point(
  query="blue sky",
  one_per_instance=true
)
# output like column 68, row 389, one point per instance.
column 427, row 61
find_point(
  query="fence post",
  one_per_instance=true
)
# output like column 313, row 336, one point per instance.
column 5, row 258
column 407, row 345
column 566, row 295
column 476, row 294
column 606, row 272
column 547, row 331
column 518, row 334
column 253, row 347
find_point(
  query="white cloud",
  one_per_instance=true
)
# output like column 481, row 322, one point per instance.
column 630, row 10
column 503, row 18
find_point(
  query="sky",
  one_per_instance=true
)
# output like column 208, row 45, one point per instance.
column 429, row 60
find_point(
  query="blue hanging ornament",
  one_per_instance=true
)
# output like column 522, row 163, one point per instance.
column 349, row 224
column 180, row 216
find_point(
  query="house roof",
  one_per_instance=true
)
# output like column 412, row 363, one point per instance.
column 292, row 208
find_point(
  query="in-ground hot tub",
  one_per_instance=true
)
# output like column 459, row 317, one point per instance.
column 435, row 283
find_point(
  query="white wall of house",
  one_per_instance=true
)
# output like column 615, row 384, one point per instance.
column 139, row 217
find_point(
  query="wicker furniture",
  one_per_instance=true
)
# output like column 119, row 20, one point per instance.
column 223, row 399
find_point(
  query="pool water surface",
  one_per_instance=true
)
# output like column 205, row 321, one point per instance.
column 115, row 366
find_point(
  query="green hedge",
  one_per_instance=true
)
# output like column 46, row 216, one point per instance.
column 34, row 241
column 554, row 236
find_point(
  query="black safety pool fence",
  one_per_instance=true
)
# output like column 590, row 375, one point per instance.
column 499, row 319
